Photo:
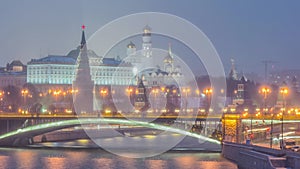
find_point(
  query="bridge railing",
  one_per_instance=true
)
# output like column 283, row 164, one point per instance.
column 88, row 115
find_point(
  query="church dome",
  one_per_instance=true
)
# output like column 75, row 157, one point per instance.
column 147, row 30
column 131, row 45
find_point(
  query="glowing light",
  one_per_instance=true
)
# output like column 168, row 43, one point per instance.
column 284, row 90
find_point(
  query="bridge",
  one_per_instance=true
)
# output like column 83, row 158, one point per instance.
column 23, row 136
column 14, row 121
column 20, row 129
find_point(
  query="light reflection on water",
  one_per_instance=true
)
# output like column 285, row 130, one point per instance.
column 96, row 158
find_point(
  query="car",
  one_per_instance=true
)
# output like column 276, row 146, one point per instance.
column 295, row 148
column 287, row 143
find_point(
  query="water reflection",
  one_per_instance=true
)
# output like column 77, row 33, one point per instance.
column 95, row 158
column 154, row 164
column 186, row 162
column 3, row 161
column 104, row 163
column 25, row 159
column 54, row 162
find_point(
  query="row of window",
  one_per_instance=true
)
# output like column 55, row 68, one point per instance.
column 7, row 82
column 52, row 72
column 70, row 81
column 70, row 70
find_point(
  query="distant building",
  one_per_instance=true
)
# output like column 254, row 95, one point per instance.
column 277, row 77
column 13, row 74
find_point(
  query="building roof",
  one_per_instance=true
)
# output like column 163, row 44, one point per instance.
column 131, row 45
column 111, row 61
column 156, row 71
column 243, row 79
column 147, row 31
column 74, row 53
column 147, row 27
column 58, row 59
column 16, row 63
column 23, row 73
column 168, row 59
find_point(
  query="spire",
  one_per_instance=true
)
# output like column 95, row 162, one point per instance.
column 170, row 50
column 233, row 73
column 83, row 42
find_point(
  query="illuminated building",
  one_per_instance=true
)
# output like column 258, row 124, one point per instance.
column 13, row 74
column 55, row 70
column 141, row 101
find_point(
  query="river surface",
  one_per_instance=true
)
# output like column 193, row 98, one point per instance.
column 57, row 158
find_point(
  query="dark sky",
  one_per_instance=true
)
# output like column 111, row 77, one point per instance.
column 248, row 31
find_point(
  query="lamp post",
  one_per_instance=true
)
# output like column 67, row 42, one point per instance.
column 155, row 92
column 24, row 94
column 129, row 91
column 103, row 93
column 284, row 91
column 271, row 131
column 265, row 91
column 208, row 92
column 186, row 91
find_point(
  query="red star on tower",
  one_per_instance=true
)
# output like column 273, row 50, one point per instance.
column 83, row 27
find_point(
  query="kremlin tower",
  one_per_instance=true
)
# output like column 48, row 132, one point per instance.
column 83, row 99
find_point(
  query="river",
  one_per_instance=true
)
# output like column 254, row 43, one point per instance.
column 67, row 158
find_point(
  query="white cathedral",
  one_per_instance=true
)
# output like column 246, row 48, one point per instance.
column 169, row 74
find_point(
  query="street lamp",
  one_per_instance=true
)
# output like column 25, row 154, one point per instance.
column 186, row 91
column 24, row 94
column 271, row 131
column 103, row 94
column 265, row 91
column 155, row 92
column 129, row 91
column 208, row 92
column 284, row 91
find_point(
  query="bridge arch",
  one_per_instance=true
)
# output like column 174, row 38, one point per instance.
column 16, row 137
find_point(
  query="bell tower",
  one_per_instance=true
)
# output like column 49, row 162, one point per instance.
column 147, row 44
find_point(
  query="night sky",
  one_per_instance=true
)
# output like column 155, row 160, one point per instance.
column 248, row 31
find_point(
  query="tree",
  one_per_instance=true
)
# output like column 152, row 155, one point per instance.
column 12, row 98
column 33, row 93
